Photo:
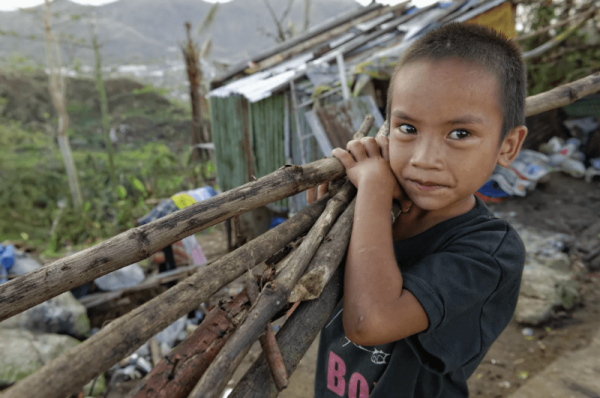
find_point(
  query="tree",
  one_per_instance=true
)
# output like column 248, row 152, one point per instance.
column 192, row 56
column 57, row 93
column 105, row 117
column 561, row 41
column 283, row 34
column 306, row 14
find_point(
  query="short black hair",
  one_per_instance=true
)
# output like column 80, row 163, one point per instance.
column 491, row 49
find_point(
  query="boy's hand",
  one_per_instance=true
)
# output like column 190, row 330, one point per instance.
column 367, row 162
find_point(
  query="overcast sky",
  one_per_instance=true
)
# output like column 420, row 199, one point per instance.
column 11, row 5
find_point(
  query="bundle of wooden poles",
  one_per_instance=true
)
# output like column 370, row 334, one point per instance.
column 300, row 258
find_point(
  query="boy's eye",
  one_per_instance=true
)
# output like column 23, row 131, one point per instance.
column 407, row 129
column 459, row 134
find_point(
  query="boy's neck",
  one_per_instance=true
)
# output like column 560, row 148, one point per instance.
column 417, row 220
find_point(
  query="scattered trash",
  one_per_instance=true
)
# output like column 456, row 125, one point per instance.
column 527, row 332
column 7, row 256
column 7, row 259
column 276, row 221
column 61, row 314
column 171, row 333
column 518, row 361
column 504, row 384
column 125, row 277
column 523, row 375
column 23, row 264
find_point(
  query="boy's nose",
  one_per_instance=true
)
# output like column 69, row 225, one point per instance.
column 426, row 154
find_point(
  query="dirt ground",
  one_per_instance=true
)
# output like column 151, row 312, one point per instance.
column 564, row 205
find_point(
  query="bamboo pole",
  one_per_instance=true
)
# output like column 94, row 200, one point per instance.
column 562, row 95
column 67, row 373
column 273, row 298
column 139, row 243
column 294, row 338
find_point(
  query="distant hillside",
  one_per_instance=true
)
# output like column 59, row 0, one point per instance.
column 147, row 30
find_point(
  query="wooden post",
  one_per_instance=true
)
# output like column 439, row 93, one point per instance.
column 273, row 298
column 139, row 243
column 124, row 335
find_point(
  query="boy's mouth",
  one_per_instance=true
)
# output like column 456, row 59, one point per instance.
column 426, row 185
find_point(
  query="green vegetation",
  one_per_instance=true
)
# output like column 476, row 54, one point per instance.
column 153, row 162
column 575, row 57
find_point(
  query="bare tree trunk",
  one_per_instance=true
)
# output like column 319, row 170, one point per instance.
column 103, row 106
column 57, row 92
column 190, row 55
column 306, row 14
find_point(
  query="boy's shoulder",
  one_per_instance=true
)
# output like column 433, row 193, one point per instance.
column 478, row 232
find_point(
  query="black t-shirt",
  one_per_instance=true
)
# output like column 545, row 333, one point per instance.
column 466, row 273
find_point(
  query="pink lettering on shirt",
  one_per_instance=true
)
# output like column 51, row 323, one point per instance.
column 357, row 380
column 335, row 375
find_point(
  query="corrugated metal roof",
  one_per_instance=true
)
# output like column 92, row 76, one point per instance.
column 363, row 37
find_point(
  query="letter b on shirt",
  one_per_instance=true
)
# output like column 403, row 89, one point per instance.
column 335, row 374
column 336, row 371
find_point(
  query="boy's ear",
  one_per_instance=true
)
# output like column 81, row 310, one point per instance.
column 511, row 145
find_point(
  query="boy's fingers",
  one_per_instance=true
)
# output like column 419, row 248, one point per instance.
column 371, row 147
column 311, row 195
column 323, row 188
column 357, row 149
column 344, row 157
column 405, row 204
column 384, row 144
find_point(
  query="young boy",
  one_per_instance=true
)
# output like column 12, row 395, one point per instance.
column 426, row 296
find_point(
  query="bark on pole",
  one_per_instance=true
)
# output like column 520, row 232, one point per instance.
column 190, row 55
column 268, row 342
column 176, row 374
column 273, row 298
column 139, row 243
column 294, row 338
column 57, row 88
column 72, row 370
column 104, row 115
column 562, row 95
column 326, row 260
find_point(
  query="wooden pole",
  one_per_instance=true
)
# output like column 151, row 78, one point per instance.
column 273, row 298
column 176, row 374
column 294, row 338
column 268, row 342
column 326, row 260
column 69, row 372
column 562, row 95
column 139, row 243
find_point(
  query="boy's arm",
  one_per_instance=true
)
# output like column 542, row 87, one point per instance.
column 376, row 308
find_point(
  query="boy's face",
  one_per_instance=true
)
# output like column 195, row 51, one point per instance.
column 445, row 124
